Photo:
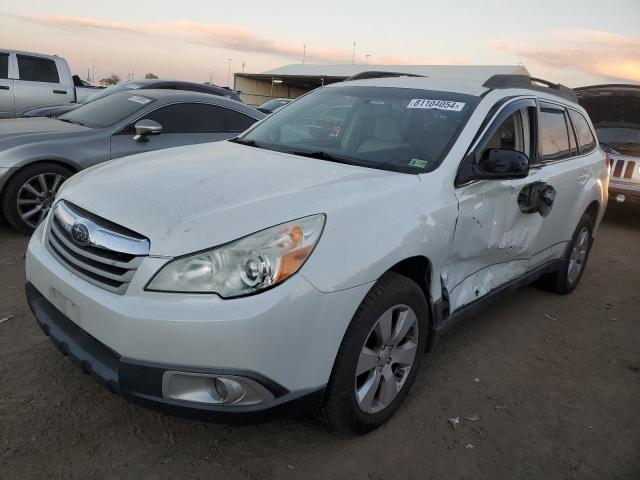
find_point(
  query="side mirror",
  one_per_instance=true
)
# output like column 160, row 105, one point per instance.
column 502, row 164
column 146, row 127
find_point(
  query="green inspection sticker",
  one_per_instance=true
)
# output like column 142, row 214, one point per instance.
column 415, row 162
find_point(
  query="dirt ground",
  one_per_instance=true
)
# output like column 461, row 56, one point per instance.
column 555, row 382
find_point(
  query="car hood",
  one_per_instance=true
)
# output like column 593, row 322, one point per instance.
column 611, row 105
column 20, row 131
column 191, row 198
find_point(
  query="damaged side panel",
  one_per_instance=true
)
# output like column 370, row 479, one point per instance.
column 493, row 240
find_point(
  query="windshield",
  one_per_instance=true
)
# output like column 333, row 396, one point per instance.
column 618, row 136
column 379, row 127
column 120, row 87
column 106, row 111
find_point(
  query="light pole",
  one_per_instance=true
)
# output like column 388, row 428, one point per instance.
column 243, row 67
column 368, row 55
column 353, row 58
column 229, row 74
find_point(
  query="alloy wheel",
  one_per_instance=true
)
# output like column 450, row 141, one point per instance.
column 386, row 358
column 36, row 196
column 578, row 255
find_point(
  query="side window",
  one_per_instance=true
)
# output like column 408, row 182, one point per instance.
column 199, row 118
column 235, row 122
column 554, row 134
column 4, row 65
column 586, row 140
column 513, row 134
column 37, row 69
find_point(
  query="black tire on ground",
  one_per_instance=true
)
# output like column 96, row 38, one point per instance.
column 340, row 411
column 561, row 281
column 12, row 188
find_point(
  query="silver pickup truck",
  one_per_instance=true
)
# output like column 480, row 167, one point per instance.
column 34, row 79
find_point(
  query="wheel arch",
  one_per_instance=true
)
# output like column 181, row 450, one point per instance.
column 58, row 161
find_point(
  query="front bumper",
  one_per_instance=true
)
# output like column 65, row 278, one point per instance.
column 286, row 337
column 141, row 382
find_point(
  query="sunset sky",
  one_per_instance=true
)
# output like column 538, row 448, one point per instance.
column 574, row 42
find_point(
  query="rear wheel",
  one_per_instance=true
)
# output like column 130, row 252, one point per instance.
column 379, row 356
column 574, row 262
column 30, row 192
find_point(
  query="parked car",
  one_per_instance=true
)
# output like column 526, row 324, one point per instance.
column 274, row 104
column 56, row 110
column 286, row 270
column 615, row 112
column 38, row 154
column 28, row 79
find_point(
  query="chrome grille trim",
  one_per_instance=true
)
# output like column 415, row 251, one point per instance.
column 108, row 259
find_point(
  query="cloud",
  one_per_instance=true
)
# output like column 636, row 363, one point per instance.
column 588, row 51
column 231, row 37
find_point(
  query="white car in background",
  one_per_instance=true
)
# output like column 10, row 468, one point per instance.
column 309, row 265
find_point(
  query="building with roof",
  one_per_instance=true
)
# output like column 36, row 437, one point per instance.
column 292, row 81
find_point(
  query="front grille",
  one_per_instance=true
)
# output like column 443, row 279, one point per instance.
column 108, row 257
column 623, row 168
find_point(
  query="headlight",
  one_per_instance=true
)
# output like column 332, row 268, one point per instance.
column 247, row 265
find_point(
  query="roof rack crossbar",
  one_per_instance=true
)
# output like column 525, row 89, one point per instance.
column 380, row 74
column 530, row 83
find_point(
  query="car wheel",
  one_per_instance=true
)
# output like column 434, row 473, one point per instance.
column 566, row 279
column 379, row 356
column 29, row 194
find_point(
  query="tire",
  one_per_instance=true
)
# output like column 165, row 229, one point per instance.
column 566, row 279
column 18, row 201
column 392, row 299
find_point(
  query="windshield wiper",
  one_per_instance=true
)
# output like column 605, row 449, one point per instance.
column 75, row 122
column 247, row 142
column 322, row 155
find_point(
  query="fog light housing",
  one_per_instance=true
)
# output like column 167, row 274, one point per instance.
column 213, row 389
column 620, row 198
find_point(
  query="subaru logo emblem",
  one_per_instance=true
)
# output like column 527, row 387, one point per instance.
column 80, row 234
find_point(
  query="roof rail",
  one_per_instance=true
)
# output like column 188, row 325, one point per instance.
column 530, row 83
column 380, row 74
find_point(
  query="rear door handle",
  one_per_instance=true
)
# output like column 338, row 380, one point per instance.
column 4, row 87
column 582, row 178
column 61, row 92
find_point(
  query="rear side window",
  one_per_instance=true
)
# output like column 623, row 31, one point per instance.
column 4, row 65
column 586, row 140
column 554, row 134
column 199, row 118
column 37, row 69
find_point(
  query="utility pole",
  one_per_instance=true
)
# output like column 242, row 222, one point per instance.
column 229, row 74
column 304, row 53
column 368, row 55
column 353, row 58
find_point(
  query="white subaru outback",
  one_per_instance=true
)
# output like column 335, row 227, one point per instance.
column 310, row 262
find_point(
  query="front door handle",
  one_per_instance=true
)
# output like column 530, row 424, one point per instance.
column 4, row 87
column 61, row 92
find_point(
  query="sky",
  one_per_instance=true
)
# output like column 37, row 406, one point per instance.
column 569, row 41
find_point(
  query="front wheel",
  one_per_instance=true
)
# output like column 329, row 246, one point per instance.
column 30, row 192
column 566, row 279
column 379, row 356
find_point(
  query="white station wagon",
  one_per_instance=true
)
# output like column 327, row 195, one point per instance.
column 309, row 263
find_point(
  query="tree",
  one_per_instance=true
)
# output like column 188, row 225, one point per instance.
column 110, row 80
column 150, row 76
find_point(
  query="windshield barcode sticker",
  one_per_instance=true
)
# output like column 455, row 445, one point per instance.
column 137, row 99
column 436, row 104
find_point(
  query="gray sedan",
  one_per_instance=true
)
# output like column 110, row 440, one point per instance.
column 38, row 154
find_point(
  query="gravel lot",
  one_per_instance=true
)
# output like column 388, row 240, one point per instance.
column 555, row 382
